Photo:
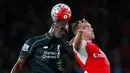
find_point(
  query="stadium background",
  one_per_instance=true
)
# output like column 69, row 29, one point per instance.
column 21, row 19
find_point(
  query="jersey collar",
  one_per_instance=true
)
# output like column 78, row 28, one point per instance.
column 48, row 35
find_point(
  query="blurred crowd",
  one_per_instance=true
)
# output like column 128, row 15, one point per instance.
column 22, row 19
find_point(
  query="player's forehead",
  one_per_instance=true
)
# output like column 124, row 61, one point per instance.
column 62, row 24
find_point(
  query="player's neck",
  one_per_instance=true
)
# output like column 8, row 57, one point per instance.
column 50, row 32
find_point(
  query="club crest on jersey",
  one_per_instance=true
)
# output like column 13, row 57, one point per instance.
column 25, row 47
column 99, row 55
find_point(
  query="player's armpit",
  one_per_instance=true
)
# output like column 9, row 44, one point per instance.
column 18, row 66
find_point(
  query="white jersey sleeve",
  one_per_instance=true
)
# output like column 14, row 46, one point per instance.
column 82, row 53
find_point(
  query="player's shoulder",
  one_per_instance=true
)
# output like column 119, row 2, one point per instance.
column 37, row 38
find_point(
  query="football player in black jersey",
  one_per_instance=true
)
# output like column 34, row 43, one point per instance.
column 44, row 52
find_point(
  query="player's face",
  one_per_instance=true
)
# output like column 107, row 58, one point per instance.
column 88, row 32
column 60, row 29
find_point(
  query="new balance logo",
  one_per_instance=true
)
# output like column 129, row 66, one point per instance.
column 45, row 47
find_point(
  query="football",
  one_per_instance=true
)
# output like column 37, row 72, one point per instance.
column 61, row 12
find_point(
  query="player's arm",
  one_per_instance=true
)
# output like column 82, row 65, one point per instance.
column 77, row 43
column 18, row 66
column 25, row 53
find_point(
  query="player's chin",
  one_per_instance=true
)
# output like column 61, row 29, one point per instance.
column 59, row 37
column 93, row 37
column 62, row 36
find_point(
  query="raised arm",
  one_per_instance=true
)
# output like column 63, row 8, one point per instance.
column 78, row 41
column 77, row 44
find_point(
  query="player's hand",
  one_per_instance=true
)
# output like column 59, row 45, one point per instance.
column 85, row 21
column 81, row 25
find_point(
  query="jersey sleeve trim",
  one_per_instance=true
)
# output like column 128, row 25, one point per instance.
column 82, row 53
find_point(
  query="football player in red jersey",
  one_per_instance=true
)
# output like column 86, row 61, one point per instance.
column 90, row 57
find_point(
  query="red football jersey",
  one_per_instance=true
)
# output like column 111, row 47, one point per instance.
column 92, row 59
